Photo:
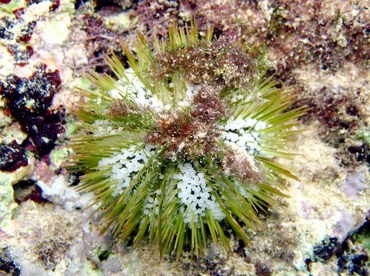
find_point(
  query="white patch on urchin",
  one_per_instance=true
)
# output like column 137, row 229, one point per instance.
column 105, row 127
column 195, row 195
column 244, row 133
column 125, row 165
column 133, row 88
column 152, row 204
column 191, row 91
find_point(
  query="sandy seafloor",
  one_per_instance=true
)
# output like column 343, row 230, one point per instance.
column 314, row 231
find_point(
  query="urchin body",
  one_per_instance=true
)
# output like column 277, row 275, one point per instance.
column 182, row 145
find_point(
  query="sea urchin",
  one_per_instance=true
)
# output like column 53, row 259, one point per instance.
column 182, row 145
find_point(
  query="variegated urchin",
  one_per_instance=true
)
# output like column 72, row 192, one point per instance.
column 182, row 144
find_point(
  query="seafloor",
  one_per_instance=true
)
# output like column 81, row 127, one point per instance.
column 320, row 49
